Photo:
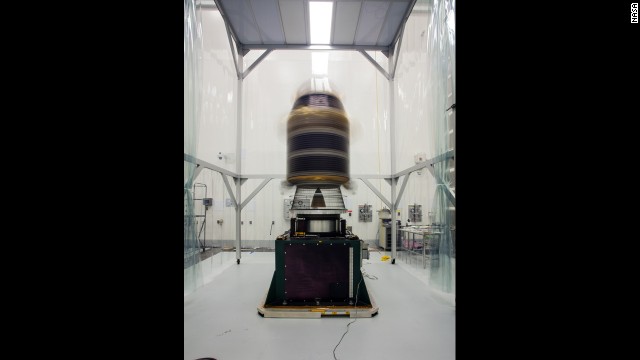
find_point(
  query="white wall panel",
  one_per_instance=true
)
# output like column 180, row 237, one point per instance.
column 218, row 118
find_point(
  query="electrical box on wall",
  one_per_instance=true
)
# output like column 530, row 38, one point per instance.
column 287, row 207
column 415, row 213
column 365, row 214
column 207, row 201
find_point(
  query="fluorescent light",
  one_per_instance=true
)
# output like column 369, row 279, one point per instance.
column 319, row 63
column 320, row 14
column 319, row 47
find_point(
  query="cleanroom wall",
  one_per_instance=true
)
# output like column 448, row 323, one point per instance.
column 412, row 106
column 217, row 133
column 441, row 80
column 210, row 103
column 425, row 93
column 192, row 110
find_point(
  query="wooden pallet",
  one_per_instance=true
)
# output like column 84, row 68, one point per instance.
column 316, row 312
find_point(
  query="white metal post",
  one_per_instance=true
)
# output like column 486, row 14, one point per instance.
column 392, row 109
column 239, row 160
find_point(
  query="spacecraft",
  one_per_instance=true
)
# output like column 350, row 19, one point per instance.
column 318, row 261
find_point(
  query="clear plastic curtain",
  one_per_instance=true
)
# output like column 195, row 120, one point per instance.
column 192, row 103
column 441, row 80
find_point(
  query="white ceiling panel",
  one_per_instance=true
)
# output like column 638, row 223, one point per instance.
column 372, row 18
column 293, row 18
column 372, row 24
column 241, row 18
column 395, row 15
column 346, row 20
column 268, row 21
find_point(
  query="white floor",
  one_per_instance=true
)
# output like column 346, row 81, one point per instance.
column 221, row 320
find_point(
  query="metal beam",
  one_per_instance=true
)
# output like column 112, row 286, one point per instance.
column 206, row 165
column 207, row 4
column 255, row 63
column 227, row 23
column 233, row 51
column 254, row 193
column 392, row 148
column 375, row 63
column 375, row 191
column 242, row 180
column 415, row 167
column 450, row 195
column 197, row 171
column 396, row 51
column 420, row 165
column 367, row 176
column 404, row 184
column 404, row 22
column 283, row 176
column 313, row 47
column 445, row 156
column 264, row 176
column 239, row 159
column 228, row 186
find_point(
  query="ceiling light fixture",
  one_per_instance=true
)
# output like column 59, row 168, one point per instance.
column 320, row 17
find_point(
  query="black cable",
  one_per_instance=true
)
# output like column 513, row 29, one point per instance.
column 354, row 320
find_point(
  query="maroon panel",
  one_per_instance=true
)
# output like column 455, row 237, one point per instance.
column 316, row 271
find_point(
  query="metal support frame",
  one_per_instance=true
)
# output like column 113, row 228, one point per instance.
column 392, row 53
column 255, row 192
column 404, row 184
column 206, row 165
column 424, row 164
column 375, row 63
column 377, row 192
column 436, row 159
column 392, row 135
column 407, row 172
column 239, row 160
column 228, row 186
column 314, row 47
column 255, row 63
column 398, row 36
column 447, row 191
column 197, row 171
column 233, row 49
column 241, row 179
column 396, row 51
column 442, row 157
column 389, row 181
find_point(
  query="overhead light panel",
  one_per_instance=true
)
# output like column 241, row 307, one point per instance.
column 320, row 16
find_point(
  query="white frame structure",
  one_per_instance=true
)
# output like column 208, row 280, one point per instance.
column 239, row 50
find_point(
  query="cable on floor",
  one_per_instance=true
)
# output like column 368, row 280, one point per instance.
column 354, row 320
column 372, row 277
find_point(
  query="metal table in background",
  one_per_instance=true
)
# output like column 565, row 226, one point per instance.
column 416, row 239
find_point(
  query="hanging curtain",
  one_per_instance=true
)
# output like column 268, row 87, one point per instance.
column 441, row 80
column 192, row 104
